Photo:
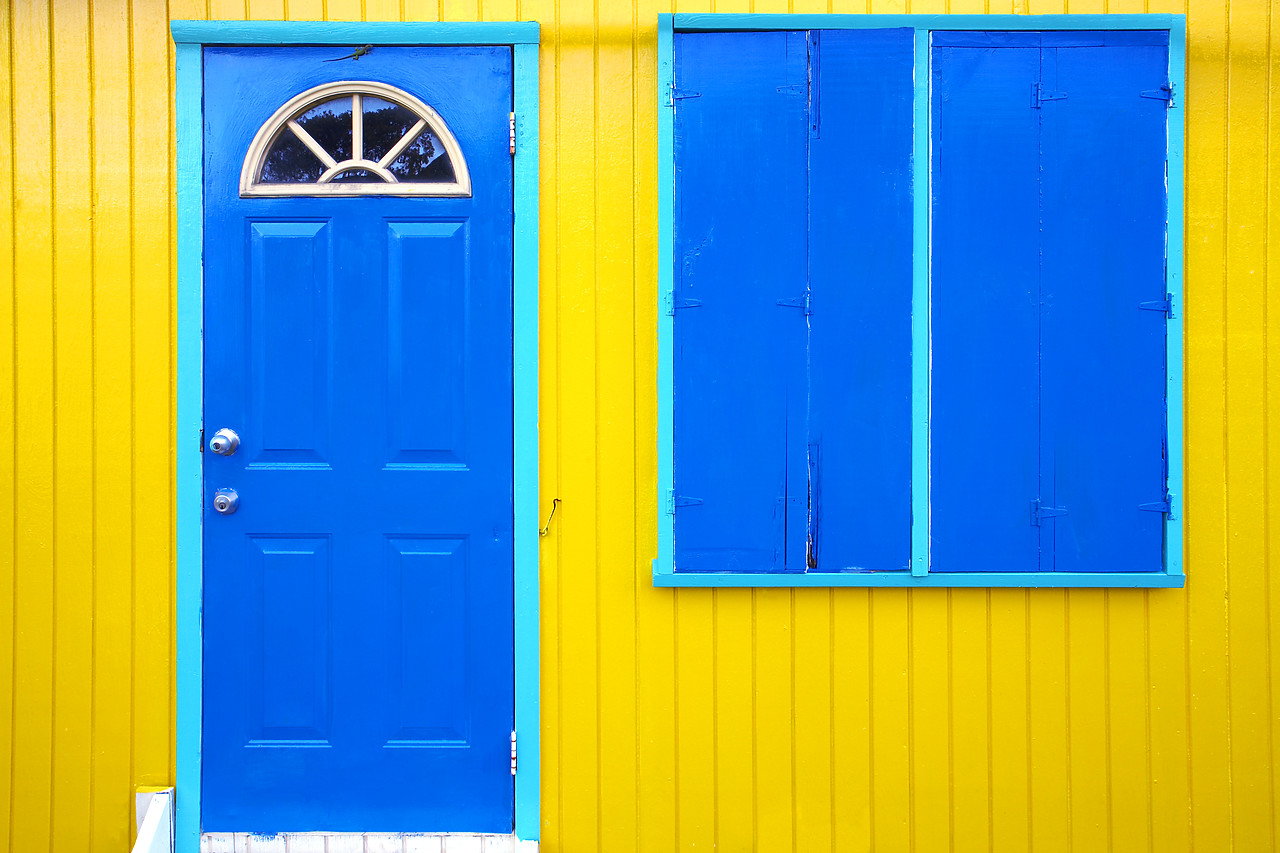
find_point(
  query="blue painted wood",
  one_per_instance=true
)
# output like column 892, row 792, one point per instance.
column 354, row 32
column 1173, row 533
column 1103, row 253
column 525, row 414
column 730, row 22
column 1086, row 181
column 938, row 580
column 984, row 316
column 664, row 563
column 1115, row 25
column 739, row 426
column 188, row 480
column 358, row 607
column 860, row 269
column 920, row 207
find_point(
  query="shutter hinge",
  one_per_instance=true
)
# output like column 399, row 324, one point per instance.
column 794, row 89
column 1164, row 93
column 1166, row 506
column 1039, row 512
column 672, row 303
column 674, row 500
column 511, row 127
column 1040, row 94
column 674, row 94
column 805, row 302
column 202, row 439
column 513, row 753
column 1165, row 305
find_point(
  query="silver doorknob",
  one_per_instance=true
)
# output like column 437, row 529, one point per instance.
column 226, row 501
column 224, row 442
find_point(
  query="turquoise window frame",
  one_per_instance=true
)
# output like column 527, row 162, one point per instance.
column 664, row 574
column 190, row 38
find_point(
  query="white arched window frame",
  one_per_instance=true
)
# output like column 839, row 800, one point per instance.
column 285, row 120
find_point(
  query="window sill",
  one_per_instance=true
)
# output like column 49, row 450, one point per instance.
column 902, row 579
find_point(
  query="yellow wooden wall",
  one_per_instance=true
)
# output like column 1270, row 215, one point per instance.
column 732, row 720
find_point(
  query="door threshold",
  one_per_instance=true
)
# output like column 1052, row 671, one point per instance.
column 363, row 842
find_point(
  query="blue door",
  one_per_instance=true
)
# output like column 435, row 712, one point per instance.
column 358, row 648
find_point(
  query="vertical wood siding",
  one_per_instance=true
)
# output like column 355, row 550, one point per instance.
column 732, row 719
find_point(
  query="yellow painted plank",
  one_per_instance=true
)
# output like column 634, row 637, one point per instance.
column 112, row 441
column 1008, row 721
column 1170, row 768
column 736, row 744
column 229, row 10
column 775, row 719
column 1049, row 721
column 970, row 703
column 1207, row 591
column 1248, row 631
column 8, row 428
column 929, row 797
column 265, row 10
column 1272, row 367
column 695, row 744
column 73, row 581
column 814, row 721
column 578, row 376
column 343, row 10
column 890, row 710
column 154, row 393
column 304, row 10
column 851, row 711
column 616, row 433
column 1089, row 784
column 429, row 10
column 467, row 10
column 34, row 662
column 1129, row 719
column 655, row 608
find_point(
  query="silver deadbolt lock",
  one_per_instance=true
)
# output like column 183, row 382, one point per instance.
column 226, row 501
column 224, row 442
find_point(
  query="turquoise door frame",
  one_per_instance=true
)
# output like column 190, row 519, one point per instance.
column 190, row 38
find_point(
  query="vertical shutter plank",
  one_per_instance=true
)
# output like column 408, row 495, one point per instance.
column 1103, row 356
column 741, row 136
column 985, row 262
column 860, row 271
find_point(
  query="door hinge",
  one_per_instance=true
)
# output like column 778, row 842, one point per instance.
column 805, row 302
column 1165, row 505
column 1165, row 305
column 513, row 753
column 674, row 500
column 511, row 127
column 1039, row 94
column 674, row 94
column 1164, row 93
column 1040, row 512
column 672, row 303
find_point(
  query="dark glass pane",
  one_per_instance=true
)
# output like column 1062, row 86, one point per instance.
column 290, row 162
column 385, row 124
column 330, row 125
column 424, row 162
column 356, row 176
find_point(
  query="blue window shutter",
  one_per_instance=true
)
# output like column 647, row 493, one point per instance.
column 741, row 127
column 1102, row 354
column 860, row 272
column 1048, row 250
column 984, row 323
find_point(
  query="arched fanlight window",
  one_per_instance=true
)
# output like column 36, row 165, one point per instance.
column 354, row 138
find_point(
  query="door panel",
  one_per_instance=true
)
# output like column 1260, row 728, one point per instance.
column 358, row 649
